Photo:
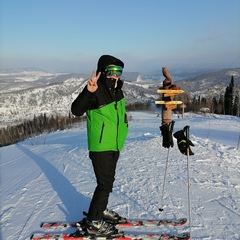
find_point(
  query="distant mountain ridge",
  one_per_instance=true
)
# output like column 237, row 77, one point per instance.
column 51, row 93
column 210, row 84
column 24, row 94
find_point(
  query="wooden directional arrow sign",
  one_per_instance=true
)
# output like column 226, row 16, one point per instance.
column 168, row 102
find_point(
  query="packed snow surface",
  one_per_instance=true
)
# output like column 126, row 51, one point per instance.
column 50, row 178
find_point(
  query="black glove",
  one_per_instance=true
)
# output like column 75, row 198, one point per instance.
column 166, row 131
column 182, row 142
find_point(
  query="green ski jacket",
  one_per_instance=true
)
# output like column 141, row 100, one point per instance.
column 107, row 125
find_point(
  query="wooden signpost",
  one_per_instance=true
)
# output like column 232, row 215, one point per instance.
column 169, row 90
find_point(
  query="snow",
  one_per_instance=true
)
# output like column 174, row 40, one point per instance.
column 50, row 178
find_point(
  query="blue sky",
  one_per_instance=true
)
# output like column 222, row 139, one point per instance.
column 70, row 35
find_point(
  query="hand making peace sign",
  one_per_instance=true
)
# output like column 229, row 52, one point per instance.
column 92, row 83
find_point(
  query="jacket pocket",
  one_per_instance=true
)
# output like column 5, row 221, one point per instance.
column 101, row 134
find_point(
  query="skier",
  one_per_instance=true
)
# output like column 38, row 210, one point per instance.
column 103, row 101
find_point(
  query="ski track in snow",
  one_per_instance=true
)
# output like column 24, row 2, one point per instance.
column 50, row 178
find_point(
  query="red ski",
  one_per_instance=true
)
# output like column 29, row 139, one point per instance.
column 62, row 236
column 129, row 223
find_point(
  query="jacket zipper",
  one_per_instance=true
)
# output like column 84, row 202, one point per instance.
column 101, row 135
column 117, row 125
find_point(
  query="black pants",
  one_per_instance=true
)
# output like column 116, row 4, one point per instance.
column 104, row 166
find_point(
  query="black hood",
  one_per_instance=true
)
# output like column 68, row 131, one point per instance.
column 106, row 60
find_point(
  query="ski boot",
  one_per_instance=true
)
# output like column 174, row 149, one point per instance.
column 100, row 228
column 113, row 217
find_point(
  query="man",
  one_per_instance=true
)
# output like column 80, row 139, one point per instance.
column 103, row 101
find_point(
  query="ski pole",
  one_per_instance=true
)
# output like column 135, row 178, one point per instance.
column 161, row 208
column 186, row 128
column 170, row 144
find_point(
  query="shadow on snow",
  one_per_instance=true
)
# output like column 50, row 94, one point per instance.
column 73, row 201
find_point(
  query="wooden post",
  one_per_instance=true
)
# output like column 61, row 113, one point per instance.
column 183, row 106
column 169, row 90
column 167, row 85
column 182, row 110
column 166, row 112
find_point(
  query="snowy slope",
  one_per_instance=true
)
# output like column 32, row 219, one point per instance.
column 50, row 178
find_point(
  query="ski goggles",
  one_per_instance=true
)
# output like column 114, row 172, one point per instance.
column 114, row 70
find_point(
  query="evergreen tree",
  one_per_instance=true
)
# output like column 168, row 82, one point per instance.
column 226, row 101
column 221, row 105
column 228, row 98
column 231, row 87
column 236, row 107
column 214, row 105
